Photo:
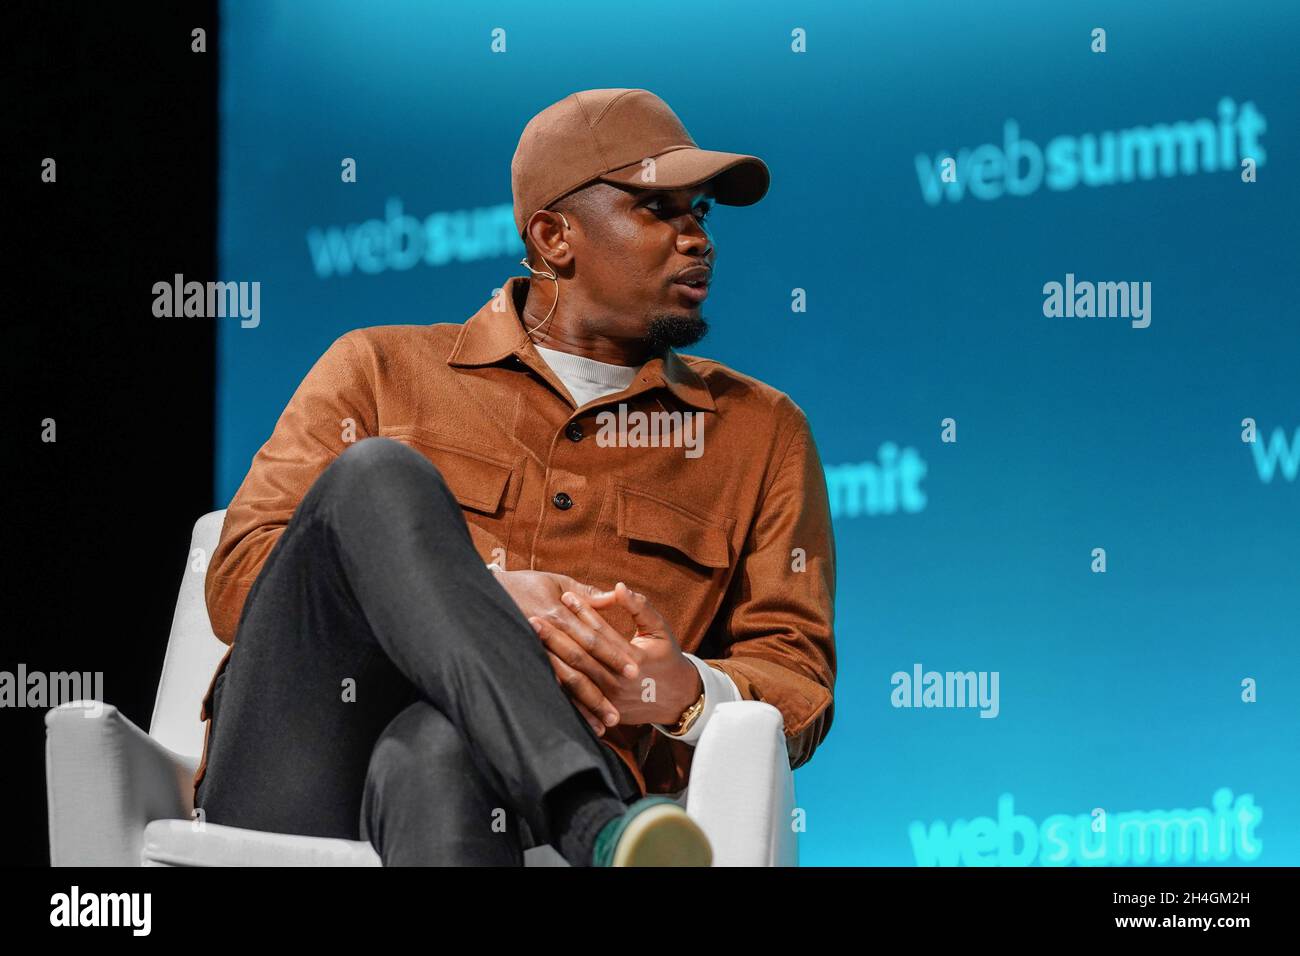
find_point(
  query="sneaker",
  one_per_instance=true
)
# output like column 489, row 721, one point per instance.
column 654, row 831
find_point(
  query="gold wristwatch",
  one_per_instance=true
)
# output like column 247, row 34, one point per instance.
column 689, row 716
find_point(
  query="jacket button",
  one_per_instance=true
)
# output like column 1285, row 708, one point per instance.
column 573, row 431
column 562, row 501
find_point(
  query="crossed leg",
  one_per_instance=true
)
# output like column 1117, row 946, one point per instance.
column 377, row 660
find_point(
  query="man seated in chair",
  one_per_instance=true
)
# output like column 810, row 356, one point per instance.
column 486, row 583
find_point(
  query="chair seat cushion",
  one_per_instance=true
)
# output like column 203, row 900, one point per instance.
column 185, row 843
column 178, row 843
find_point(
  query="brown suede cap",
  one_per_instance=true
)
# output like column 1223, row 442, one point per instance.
column 623, row 136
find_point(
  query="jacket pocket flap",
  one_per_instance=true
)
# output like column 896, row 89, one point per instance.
column 478, row 481
column 645, row 518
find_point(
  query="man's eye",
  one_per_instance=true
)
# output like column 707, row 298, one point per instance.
column 701, row 212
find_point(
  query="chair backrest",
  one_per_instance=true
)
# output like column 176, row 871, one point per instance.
column 193, row 651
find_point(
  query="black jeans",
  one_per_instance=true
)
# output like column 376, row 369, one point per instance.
column 384, row 686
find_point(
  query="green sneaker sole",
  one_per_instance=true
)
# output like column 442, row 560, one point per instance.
column 662, row 835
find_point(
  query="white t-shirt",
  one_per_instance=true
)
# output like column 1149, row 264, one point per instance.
column 586, row 379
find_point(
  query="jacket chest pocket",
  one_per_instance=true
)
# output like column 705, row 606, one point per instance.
column 680, row 558
column 484, row 483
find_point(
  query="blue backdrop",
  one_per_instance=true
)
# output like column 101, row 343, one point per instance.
column 1126, row 691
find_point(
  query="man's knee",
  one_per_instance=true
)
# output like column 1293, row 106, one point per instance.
column 422, row 785
column 416, row 756
column 378, row 467
column 381, row 459
column 419, row 732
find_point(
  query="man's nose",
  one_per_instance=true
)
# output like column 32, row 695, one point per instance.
column 694, row 241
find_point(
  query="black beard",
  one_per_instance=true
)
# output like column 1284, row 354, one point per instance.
column 674, row 331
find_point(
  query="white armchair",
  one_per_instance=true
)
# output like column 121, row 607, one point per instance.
column 120, row 797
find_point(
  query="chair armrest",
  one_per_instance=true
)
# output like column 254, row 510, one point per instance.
column 742, row 788
column 105, row 779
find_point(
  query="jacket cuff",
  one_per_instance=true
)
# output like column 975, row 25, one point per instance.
column 719, row 688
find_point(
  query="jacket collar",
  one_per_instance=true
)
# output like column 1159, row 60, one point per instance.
column 491, row 335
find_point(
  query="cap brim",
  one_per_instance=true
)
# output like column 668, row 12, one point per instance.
column 740, row 180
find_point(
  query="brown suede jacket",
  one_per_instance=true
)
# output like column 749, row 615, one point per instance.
column 723, row 522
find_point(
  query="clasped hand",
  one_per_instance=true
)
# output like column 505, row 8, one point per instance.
column 644, row 678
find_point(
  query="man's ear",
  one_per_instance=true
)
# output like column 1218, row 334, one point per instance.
column 546, row 231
